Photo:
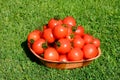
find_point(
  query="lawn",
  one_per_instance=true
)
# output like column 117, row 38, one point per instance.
column 101, row 18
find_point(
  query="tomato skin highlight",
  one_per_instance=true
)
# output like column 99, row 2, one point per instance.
column 53, row 22
column 90, row 51
column 79, row 31
column 96, row 42
column 70, row 21
column 60, row 31
column 48, row 35
column 75, row 54
column 33, row 36
column 88, row 38
column 63, row 58
column 78, row 42
column 37, row 46
column 63, row 46
column 51, row 54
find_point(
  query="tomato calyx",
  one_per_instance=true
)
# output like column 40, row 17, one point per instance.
column 58, row 44
column 74, row 28
column 45, row 45
column 31, row 41
column 64, row 25
column 72, row 36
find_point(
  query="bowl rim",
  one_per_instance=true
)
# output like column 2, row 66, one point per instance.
column 68, row 62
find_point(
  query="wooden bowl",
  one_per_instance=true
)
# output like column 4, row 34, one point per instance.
column 64, row 65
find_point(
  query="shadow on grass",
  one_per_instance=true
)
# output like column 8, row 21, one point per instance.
column 29, row 54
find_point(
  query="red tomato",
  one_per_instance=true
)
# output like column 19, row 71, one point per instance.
column 75, row 55
column 90, row 51
column 54, row 22
column 78, row 42
column 96, row 42
column 69, row 20
column 33, row 36
column 88, row 38
column 60, row 31
column 63, row 58
column 38, row 46
column 70, row 37
column 51, row 54
column 70, row 34
column 63, row 46
column 77, row 36
column 48, row 35
column 79, row 31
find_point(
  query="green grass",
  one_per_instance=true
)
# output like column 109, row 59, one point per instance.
column 100, row 18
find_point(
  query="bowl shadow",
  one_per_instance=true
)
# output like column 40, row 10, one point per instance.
column 29, row 54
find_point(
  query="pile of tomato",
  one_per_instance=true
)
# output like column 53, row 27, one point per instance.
column 63, row 40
